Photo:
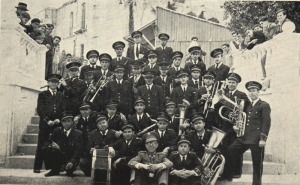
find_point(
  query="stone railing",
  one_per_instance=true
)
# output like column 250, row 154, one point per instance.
column 282, row 84
column 22, row 71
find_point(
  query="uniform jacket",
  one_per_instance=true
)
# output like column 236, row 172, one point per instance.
column 73, row 92
column 191, row 162
column 115, row 123
column 165, row 85
column 197, row 144
column 154, row 99
column 168, row 140
column 200, row 63
column 173, row 75
column 140, row 125
column 178, row 95
column 88, row 67
column 258, row 122
column 221, row 72
column 155, row 69
column 164, row 54
column 126, row 151
column 49, row 107
column 124, row 61
column 86, row 126
column 174, row 124
column 191, row 83
column 143, row 50
column 139, row 83
column 98, row 141
column 122, row 93
column 71, row 146
column 147, row 158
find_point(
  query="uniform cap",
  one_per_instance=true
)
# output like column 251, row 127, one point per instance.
column 111, row 104
column 216, row 52
column 150, row 136
column 177, row 54
column 101, row 116
column 105, row 56
column 73, row 64
column 118, row 44
column 56, row 77
column 163, row 117
column 183, row 139
column 22, row 6
column 66, row 115
column 139, row 100
column 235, row 77
column 137, row 63
column 182, row 72
column 210, row 74
column 148, row 73
column 164, row 65
column 197, row 116
column 136, row 34
column 89, row 71
column 152, row 53
column 92, row 53
column 194, row 48
column 195, row 67
column 253, row 85
column 169, row 103
column 127, row 126
column 119, row 68
column 85, row 105
column 163, row 36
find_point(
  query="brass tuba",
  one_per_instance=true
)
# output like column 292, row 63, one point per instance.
column 237, row 109
column 213, row 163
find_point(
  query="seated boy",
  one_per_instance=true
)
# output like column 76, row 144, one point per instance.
column 65, row 147
column 115, row 120
column 187, row 167
column 151, row 167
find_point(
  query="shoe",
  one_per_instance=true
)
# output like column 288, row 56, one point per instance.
column 70, row 174
column 224, row 178
column 236, row 176
column 36, row 171
column 51, row 173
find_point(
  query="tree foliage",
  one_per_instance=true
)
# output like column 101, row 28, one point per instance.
column 245, row 14
column 213, row 19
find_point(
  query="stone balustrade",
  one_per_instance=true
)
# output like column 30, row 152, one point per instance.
column 282, row 83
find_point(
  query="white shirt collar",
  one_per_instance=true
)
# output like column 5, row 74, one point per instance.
column 202, row 135
column 149, row 86
column 93, row 66
column 195, row 80
column 160, row 132
column 233, row 91
column 184, row 86
column 119, row 80
column 139, row 116
column 197, row 61
column 68, row 132
column 255, row 101
column 51, row 91
column 218, row 64
column 105, row 132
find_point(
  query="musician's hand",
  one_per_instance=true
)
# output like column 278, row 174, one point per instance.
column 178, row 173
column 91, row 151
column 204, row 96
column 48, row 46
column 185, row 124
column 188, row 173
column 262, row 143
column 141, row 56
column 118, row 133
column 210, row 150
column 50, row 123
column 56, row 121
column 76, row 119
column 63, row 82
column 142, row 166
column 206, row 171
column 236, row 129
column 55, row 146
column 185, row 102
column 154, row 167
column 69, row 166
column 111, row 151
column 123, row 117
column 166, row 150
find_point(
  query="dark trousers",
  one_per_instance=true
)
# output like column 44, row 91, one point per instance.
column 39, row 155
column 121, row 174
column 226, row 143
column 193, row 180
column 57, row 160
column 86, row 165
column 237, row 149
column 142, row 177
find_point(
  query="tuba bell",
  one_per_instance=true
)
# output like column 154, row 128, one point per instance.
column 213, row 163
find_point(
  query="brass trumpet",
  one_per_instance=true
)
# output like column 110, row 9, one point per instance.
column 102, row 85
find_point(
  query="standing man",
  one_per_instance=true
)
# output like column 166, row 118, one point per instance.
column 92, row 56
column 177, row 58
column 152, row 63
column 219, row 68
column 195, row 52
column 163, row 79
column 153, row 95
column 137, row 79
column 73, row 88
column 62, row 67
column 120, row 91
column 256, row 133
column 137, row 51
column 195, row 80
column 164, row 53
column 120, row 60
column 105, row 60
column 50, row 105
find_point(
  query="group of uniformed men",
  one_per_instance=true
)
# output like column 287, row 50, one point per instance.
column 133, row 108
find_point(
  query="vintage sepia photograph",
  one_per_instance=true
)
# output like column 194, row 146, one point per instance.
column 150, row 92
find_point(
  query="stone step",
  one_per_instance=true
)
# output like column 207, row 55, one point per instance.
column 20, row 162
column 21, row 176
column 270, row 168
column 32, row 129
column 26, row 149
column 30, row 138
column 287, row 179
column 35, row 120
column 247, row 156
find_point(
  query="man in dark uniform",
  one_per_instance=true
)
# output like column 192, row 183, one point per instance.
column 64, row 147
column 86, row 121
column 167, row 137
column 137, row 51
column 92, row 56
column 137, row 79
column 140, row 120
column 152, row 63
column 164, row 53
column 50, row 105
column 152, row 94
column 219, row 68
column 150, row 167
column 120, row 60
column 233, row 79
column 105, row 60
column 163, row 79
column 187, row 167
column 98, row 139
column 124, row 149
column 195, row 59
column 115, row 120
column 199, row 137
column 256, row 132
column 195, row 80
column 73, row 88
column 177, row 58
column 121, row 91
column 174, row 118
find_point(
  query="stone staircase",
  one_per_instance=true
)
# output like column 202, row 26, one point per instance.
column 24, row 158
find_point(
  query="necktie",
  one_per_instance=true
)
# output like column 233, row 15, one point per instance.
column 104, row 72
column 65, row 132
column 118, row 59
column 252, row 103
column 197, row 84
column 217, row 66
column 183, row 159
column 135, row 78
column 161, row 135
column 140, row 118
column 151, row 66
column 103, row 133
column 148, row 88
column 54, row 93
column 137, row 51
column 183, row 89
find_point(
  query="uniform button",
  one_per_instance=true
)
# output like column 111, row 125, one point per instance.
column 248, row 120
column 247, row 124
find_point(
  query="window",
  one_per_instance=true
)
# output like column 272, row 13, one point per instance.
column 71, row 23
column 82, row 50
column 83, row 16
